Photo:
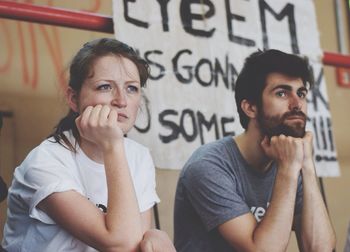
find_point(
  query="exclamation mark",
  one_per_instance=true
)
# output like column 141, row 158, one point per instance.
column 323, row 133
column 330, row 135
column 316, row 132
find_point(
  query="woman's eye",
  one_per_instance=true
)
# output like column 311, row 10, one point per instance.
column 132, row 89
column 104, row 87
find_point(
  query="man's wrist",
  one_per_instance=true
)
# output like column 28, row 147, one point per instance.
column 308, row 168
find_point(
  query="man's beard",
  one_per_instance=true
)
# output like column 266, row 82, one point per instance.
column 275, row 125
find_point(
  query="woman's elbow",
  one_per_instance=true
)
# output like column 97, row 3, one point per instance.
column 129, row 244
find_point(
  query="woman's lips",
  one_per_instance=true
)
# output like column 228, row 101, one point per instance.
column 122, row 116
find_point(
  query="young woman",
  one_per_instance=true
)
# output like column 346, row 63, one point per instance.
column 87, row 187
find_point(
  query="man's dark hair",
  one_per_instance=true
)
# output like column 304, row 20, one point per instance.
column 251, row 80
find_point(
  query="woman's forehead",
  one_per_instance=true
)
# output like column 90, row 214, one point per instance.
column 115, row 66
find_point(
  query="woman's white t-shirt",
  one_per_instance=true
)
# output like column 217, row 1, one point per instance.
column 51, row 168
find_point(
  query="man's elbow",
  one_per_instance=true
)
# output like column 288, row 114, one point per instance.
column 326, row 246
column 329, row 245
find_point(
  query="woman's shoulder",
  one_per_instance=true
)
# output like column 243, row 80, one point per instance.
column 137, row 154
column 132, row 145
column 49, row 149
column 48, row 159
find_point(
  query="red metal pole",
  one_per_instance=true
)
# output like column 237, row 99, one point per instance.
column 56, row 16
column 336, row 59
column 100, row 23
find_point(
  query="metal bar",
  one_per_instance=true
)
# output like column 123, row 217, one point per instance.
column 3, row 114
column 6, row 113
column 156, row 216
column 56, row 16
column 336, row 59
column 97, row 22
column 339, row 21
column 323, row 193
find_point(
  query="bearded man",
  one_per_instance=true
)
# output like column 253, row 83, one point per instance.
column 248, row 192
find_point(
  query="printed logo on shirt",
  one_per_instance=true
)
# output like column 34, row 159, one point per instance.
column 259, row 212
column 102, row 207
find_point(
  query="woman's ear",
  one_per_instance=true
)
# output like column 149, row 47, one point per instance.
column 249, row 109
column 72, row 99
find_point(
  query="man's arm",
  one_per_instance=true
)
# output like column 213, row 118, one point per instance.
column 273, row 232
column 315, row 232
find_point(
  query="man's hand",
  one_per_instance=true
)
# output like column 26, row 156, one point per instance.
column 287, row 151
column 308, row 151
column 156, row 241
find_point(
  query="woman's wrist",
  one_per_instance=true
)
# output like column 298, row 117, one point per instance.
column 112, row 146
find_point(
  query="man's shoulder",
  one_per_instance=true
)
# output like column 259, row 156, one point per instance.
column 209, row 158
column 216, row 148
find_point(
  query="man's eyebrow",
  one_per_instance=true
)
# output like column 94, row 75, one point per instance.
column 303, row 89
column 289, row 88
column 283, row 86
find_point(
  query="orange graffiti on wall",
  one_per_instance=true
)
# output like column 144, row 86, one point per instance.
column 29, row 54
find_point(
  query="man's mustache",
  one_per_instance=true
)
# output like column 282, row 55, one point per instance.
column 294, row 113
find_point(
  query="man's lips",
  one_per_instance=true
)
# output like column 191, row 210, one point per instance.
column 295, row 118
column 294, row 115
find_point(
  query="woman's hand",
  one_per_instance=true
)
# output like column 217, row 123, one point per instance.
column 99, row 124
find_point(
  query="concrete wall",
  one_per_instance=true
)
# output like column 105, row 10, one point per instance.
column 339, row 98
column 32, row 62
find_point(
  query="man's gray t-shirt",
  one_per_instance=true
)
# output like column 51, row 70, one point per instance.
column 216, row 185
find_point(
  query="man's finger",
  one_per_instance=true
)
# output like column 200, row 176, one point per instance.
column 146, row 246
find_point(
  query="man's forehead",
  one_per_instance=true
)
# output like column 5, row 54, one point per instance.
column 278, row 79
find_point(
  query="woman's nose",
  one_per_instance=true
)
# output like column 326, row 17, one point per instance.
column 119, row 99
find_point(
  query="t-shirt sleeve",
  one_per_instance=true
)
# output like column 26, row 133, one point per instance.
column 213, row 192
column 149, row 195
column 44, row 175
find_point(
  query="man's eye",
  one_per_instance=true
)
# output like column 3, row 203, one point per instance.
column 132, row 89
column 281, row 93
column 104, row 87
column 302, row 94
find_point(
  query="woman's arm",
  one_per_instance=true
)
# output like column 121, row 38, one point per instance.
column 120, row 229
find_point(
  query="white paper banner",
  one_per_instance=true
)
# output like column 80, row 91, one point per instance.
column 195, row 49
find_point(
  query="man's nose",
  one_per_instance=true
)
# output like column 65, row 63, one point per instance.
column 295, row 102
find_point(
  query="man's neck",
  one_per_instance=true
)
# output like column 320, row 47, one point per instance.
column 249, row 144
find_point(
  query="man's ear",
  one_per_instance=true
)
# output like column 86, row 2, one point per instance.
column 249, row 109
column 72, row 99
